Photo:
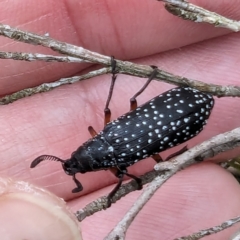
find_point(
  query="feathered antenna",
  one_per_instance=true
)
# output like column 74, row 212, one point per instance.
column 41, row 158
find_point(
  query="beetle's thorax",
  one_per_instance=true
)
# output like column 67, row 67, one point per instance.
column 90, row 156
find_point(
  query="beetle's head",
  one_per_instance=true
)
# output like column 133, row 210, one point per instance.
column 70, row 166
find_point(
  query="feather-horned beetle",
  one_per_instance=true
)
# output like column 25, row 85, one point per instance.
column 163, row 122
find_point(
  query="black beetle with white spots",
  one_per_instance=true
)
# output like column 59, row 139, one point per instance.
column 166, row 121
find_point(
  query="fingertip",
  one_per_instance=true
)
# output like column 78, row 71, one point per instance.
column 29, row 212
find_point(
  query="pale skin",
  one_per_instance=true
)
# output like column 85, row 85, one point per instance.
column 56, row 122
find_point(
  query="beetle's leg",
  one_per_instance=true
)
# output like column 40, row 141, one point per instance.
column 107, row 111
column 92, row 131
column 79, row 187
column 182, row 150
column 157, row 158
column 138, row 180
column 133, row 101
column 119, row 173
column 113, row 192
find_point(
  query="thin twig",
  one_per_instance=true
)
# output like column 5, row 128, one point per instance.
column 38, row 57
column 207, row 149
column 188, row 11
column 124, row 67
column 60, row 47
column 209, row 231
column 49, row 86
column 236, row 236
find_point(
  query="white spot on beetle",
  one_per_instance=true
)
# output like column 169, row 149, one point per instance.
column 110, row 149
column 178, row 123
column 179, row 111
column 164, row 128
column 186, row 120
column 166, row 139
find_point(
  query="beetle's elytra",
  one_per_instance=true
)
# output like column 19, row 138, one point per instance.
column 165, row 121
